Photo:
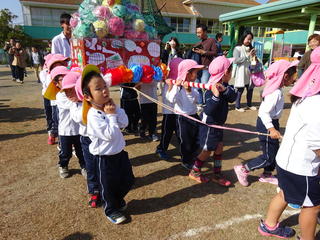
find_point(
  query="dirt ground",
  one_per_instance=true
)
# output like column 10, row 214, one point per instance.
column 164, row 203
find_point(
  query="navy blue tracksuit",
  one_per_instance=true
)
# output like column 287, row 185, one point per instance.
column 65, row 153
column 168, row 126
column 269, row 148
column 115, row 178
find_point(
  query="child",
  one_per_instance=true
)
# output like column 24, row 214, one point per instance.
column 76, row 114
column 279, row 74
column 104, row 121
column 168, row 125
column 68, row 129
column 149, row 109
column 298, row 159
column 185, row 101
column 215, row 111
column 129, row 102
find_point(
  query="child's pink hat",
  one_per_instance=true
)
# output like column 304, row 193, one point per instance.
column 46, row 60
column 70, row 80
column 218, row 67
column 78, row 89
column 173, row 68
column 185, row 66
column 60, row 70
column 55, row 58
column 309, row 83
column 274, row 75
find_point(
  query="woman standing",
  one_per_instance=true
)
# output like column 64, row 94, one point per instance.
column 19, row 61
column 171, row 50
column 243, row 53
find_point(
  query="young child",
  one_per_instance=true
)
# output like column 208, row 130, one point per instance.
column 91, row 166
column 185, row 99
column 68, row 129
column 104, row 121
column 129, row 102
column 279, row 74
column 298, row 159
column 149, row 109
column 215, row 111
column 168, row 125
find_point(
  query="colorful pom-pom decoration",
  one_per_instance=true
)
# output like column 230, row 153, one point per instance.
column 100, row 28
column 116, row 26
column 102, row 12
column 137, row 73
column 157, row 73
column 127, row 74
column 139, row 25
column 148, row 73
column 119, row 10
column 164, row 69
column 74, row 20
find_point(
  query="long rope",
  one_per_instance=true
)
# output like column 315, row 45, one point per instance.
column 194, row 119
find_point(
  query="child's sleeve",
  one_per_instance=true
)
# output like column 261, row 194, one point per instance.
column 212, row 102
column 63, row 102
column 267, row 105
column 122, row 117
column 172, row 95
column 76, row 112
column 105, row 127
column 313, row 136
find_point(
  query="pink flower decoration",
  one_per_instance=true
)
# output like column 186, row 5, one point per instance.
column 102, row 12
column 116, row 26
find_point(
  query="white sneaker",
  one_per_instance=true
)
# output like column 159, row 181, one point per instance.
column 154, row 138
column 84, row 173
column 240, row 109
column 18, row 81
column 252, row 108
column 63, row 172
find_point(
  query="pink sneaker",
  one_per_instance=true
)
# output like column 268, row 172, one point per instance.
column 268, row 178
column 242, row 175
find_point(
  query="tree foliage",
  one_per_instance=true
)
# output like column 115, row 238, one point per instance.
column 9, row 30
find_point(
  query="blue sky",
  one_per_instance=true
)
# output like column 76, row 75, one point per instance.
column 15, row 7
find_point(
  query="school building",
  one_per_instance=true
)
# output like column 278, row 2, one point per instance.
column 41, row 17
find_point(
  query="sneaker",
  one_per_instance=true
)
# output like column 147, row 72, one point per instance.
column 154, row 138
column 198, row 176
column 268, row 178
column 221, row 180
column 58, row 147
column 14, row 80
column 187, row 166
column 116, row 217
column 240, row 109
column 242, row 175
column 252, row 108
column 63, row 172
column 162, row 154
column 19, row 81
column 294, row 206
column 94, row 200
column 280, row 232
column 84, row 173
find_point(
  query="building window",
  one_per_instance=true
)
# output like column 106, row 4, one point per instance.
column 47, row 16
column 213, row 25
column 179, row 24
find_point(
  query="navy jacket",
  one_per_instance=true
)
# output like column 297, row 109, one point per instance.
column 216, row 109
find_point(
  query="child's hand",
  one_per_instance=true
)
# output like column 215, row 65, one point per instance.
column 178, row 82
column 215, row 90
column 220, row 87
column 186, row 86
column 274, row 134
column 109, row 107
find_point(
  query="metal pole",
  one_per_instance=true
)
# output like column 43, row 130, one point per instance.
column 312, row 25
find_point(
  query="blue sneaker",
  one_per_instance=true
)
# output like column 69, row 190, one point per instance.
column 162, row 154
column 280, row 232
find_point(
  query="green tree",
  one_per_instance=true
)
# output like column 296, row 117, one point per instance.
column 9, row 30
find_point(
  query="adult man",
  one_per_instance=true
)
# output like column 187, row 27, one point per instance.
column 7, row 46
column 36, row 61
column 60, row 43
column 208, row 51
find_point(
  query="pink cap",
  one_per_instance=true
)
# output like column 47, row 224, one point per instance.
column 185, row 66
column 47, row 59
column 55, row 58
column 274, row 75
column 218, row 67
column 78, row 89
column 309, row 83
column 173, row 68
column 70, row 79
column 60, row 70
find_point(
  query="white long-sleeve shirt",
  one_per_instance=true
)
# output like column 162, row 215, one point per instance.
column 60, row 44
column 76, row 115
column 104, row 131
column 165, row 100
column 271, row 108
column 66, row 127
column 302, row 136
column 183, row 101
